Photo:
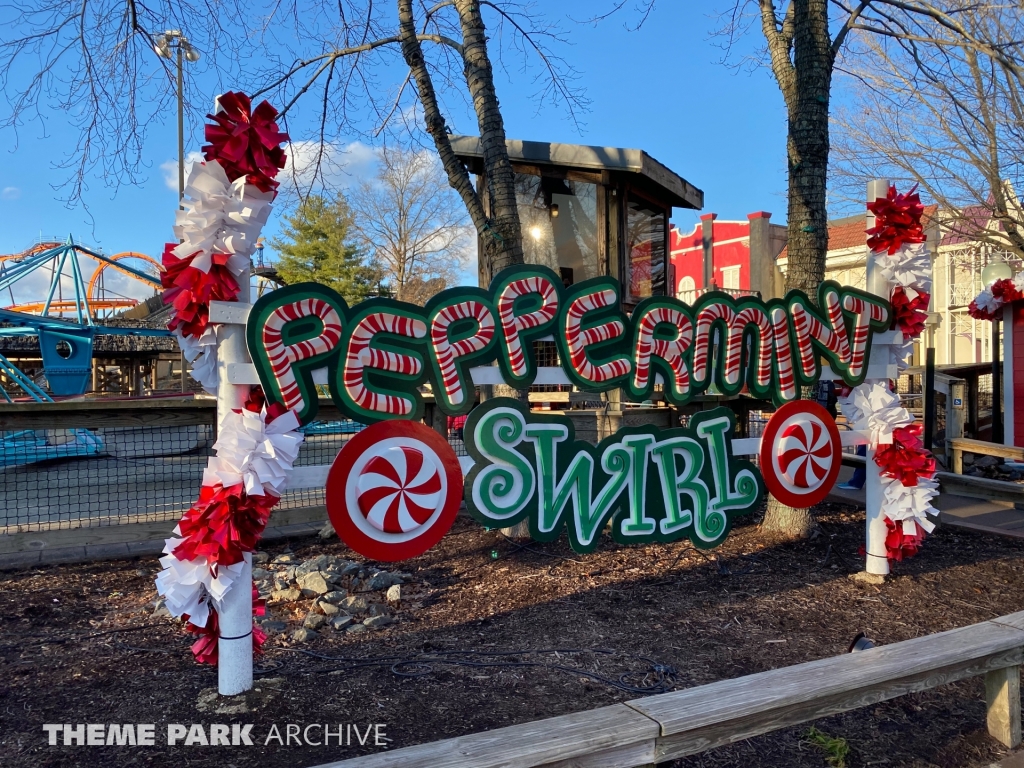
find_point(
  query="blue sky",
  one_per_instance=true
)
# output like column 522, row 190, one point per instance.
column 661, row 88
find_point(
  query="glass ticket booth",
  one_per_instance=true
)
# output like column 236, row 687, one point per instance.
column 592, row 211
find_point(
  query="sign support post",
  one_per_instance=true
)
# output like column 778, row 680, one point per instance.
column 234, row 646
column 874, row 545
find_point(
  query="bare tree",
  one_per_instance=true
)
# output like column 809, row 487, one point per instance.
column 95, row 63
column 411, row 226
column 947, row 118
column 804, row 43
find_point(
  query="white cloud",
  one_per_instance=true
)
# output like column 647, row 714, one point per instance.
column 10, row 193
column 170, row 169
column 340, row 166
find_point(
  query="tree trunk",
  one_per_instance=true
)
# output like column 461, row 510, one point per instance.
column 501, row 240
column 788, row 522
column 805, row 82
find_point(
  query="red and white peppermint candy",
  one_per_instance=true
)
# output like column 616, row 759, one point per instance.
column 398, row 490
column 394, row 490
column 801, row 453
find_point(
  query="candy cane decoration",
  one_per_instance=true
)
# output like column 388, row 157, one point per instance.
column 671, row 351
column 283, row 356
column 735, row 328
column 360, row 356
column 578, row 339
column 809, row 327
column 783, row 355
column 513, row 325
column 866, row 312
column 447, row 353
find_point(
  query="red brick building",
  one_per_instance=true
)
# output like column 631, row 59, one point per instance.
column 735, row 256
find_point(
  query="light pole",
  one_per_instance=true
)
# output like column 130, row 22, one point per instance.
column 163, row 44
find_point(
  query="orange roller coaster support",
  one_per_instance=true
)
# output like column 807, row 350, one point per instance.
column 60, row 307
column 94, row 280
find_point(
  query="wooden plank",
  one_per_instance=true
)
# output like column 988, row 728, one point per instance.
column 720, row 713
column 980, row 487
column 607, row 738
column 229, row 312
column 1002, row 701
column 95, row 414
column 150, row 530
column 968, row 445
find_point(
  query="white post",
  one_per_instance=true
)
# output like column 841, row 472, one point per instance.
column 234, row 648
column 874, row 544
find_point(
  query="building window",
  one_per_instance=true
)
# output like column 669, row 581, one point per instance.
column 559, row 225
column 645, row 249
column 731, row 278
column 687, row 290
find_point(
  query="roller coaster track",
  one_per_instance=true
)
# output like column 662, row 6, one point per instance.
column 88, row 299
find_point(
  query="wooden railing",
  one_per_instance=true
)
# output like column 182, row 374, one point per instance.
column 672, row 725
column 960, row 446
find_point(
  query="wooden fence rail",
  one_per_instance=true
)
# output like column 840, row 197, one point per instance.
column 672, row 725
column 960, row 446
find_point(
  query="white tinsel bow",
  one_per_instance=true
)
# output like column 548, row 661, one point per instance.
column 220, row 216
column 188, row 586
column 872, row 408
column 910, row 266
column 987, row 302
column 910, row 502
column 201, row 354
column 252, row 452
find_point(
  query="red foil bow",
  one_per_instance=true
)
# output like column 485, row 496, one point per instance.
column 204, row 650
column 898, row 545
column 191, row 290
column 1006, row 290
column 897, row 221
column 222, row 524
column 978, row 313
column 906, row 459
column 246, row 142
column 909, row 314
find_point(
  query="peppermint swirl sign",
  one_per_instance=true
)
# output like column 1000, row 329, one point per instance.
column 378, row 354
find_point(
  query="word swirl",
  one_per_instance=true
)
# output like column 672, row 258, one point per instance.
column 650, row 484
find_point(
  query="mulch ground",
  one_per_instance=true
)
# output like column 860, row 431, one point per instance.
column 491, row 633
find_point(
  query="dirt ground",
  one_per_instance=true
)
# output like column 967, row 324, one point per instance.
column 490, row 633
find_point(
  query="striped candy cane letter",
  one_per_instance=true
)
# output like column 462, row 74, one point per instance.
column 871, row 314
column 290, row 332
column 734, row 322
column 813, row 331
column 461, row 331
column 785, row 385
column 371, row 358
column 663, row 332
column 527, row 301
column 591, row 317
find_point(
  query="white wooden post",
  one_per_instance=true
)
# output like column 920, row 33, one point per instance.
column 234, row 648
column 874, row 545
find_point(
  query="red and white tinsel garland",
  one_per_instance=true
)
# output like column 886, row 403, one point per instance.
column 988, row 304
column 227, row 202
column 907, row 469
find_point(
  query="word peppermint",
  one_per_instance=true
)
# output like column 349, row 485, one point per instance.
column 378, row 353
column 652, row 484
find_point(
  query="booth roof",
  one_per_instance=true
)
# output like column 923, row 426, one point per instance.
column 674, row 189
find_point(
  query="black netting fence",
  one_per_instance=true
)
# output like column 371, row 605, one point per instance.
column 74, row 477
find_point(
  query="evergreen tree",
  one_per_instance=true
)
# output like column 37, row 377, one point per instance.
column 314, row 248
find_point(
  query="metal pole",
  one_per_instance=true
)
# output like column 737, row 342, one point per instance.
column 997, row 387
column 181, row 132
